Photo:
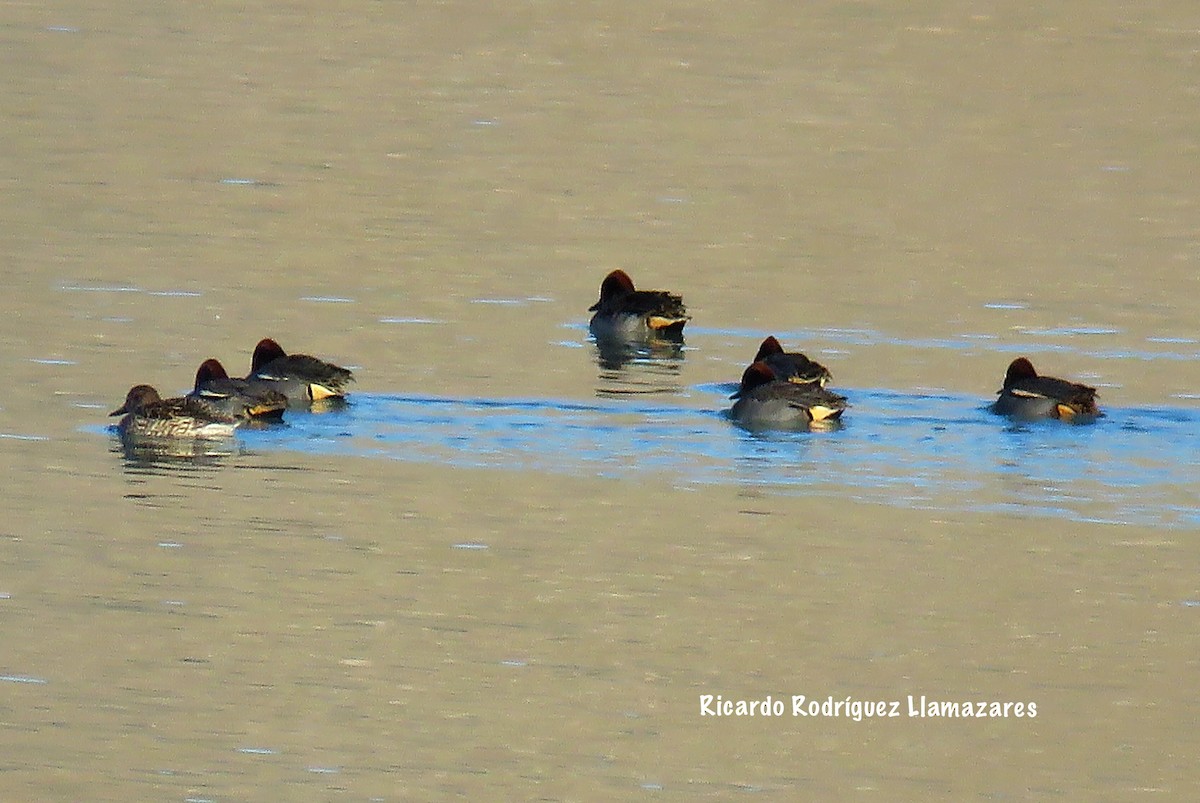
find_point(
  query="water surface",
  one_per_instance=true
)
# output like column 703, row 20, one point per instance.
column 917, row 450
column 510, row 568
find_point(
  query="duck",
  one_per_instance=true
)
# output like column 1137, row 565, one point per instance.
column 1025, row 394
column 148, row 415
column 765, row 399
column 791, row 365
column 249, row 399
column 303, row 379
column 625, row 312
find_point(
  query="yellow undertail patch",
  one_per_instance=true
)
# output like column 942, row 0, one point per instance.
column 820, row 413
column 318, row 392
column 263, row 409
column 659, row 322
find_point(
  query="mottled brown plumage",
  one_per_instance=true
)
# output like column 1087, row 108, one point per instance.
column 147, row 415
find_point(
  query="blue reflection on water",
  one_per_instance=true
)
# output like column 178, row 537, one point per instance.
column 1061, row 340
column 929, row 450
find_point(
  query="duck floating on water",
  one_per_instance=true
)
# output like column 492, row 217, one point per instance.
column 1025, row 394
column 765, row 399
column 149, row 416
column 251, row 399
column 625, row 312
column 791, row 365
column 302, row 378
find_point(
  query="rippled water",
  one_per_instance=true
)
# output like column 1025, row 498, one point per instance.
column 922, row 450
column 1060, row 340
column 345, row 607
column 909, row 448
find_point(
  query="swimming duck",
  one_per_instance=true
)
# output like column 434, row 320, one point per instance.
column 791, row 365
column 1027, row 395
column 241, row 398
column 623, row 312
column 764, row 399
column 300, row 377
column 147, row 415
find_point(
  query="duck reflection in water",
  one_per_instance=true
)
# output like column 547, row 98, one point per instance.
column 174, row 455
column 638, row 368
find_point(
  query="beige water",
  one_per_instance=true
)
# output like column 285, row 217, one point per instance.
column 431, row 193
